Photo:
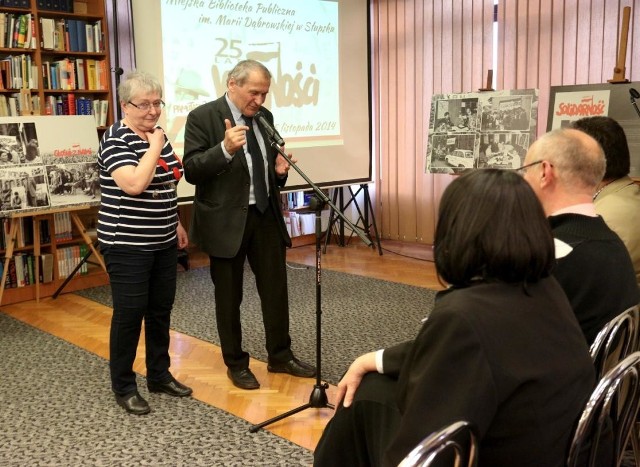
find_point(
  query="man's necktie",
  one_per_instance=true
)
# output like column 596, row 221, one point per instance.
column 259, row 184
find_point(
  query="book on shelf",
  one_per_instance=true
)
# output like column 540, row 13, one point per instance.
column 31, row 279
column 84, row 251
column 104, row 110
column 307, row 223
column 89, row 38
column 48, row 32
column 46, row 267
column 11, row 275
column 19, row 268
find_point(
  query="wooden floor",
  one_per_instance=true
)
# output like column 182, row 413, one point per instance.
column 199, row 364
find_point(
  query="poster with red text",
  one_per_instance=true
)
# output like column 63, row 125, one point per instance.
column 618, row 101
column 48, row 162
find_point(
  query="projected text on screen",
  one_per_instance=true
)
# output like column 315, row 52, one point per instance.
column 297, row 41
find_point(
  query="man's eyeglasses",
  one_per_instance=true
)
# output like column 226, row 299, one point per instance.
column 522, row 170
column 146, row 106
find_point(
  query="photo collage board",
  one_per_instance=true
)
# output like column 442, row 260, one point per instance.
column 491, row 129
column 48, row 162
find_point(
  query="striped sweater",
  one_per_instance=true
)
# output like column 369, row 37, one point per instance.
column 148, row 220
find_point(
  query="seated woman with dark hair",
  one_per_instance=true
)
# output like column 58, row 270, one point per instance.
column 501, row 349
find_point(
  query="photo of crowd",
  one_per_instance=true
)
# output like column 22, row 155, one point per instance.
column 73, row 183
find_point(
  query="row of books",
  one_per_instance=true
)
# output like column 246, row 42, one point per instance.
column 71, row 35
column 296, row 200
column 304, row 223
column 62, row 229
column 15, row 105
column 24, row 234
column 62, row 226
column 18, row 72
column 69, row 257
column 17, row 31
column 21, row 270
column 69, row 104
column 56, row 5
column 75, row 74
column 16, row 3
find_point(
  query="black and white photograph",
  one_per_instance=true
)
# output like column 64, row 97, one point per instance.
column 73, row 183
column 23, row 188
column 480, row 130
column 456, row 115
column 19, row 144
column 453, row 151
column 502, row 150
column 508, row 113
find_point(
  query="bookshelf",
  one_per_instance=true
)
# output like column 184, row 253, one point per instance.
column 300, row 218
column 54, row 59
column 41, row 250
column 49, row 67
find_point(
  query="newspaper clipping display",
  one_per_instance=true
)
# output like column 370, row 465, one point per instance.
column 48, row 162
column 480, row 130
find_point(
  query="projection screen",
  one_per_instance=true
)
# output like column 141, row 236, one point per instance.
column 316, row 50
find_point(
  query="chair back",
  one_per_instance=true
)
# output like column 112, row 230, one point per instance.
column 457, row 444
column 617, row 339
column 605, row 425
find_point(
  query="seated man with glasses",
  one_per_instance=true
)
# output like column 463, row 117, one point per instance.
column 564, row 168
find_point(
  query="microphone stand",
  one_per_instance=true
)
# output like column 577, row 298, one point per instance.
column 318, row 398
column 635, row 106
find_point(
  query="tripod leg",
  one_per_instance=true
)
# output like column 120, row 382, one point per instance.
column 84, row 259
column 317, row 400
column 369, row 208
column 255, row 428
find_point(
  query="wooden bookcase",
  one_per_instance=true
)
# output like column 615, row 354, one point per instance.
column 37, row 87
column 33, row 92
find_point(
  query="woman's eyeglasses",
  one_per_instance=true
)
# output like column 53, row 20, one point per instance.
column 146, row 106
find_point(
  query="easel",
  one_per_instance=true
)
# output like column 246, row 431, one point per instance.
column 620, row 69
column 37, row 217
column 363, row 216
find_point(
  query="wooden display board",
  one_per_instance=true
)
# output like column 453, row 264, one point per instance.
column 480, row 130
column 48, row 162
column 570, row 103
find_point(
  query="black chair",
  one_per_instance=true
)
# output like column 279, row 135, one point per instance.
column 608, row 418
column 453, row 445
column 617, row 339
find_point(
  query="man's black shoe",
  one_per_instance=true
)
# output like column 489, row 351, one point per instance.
column 244, row 379
column 293, row 367
column 172, row 387
column 133, row 403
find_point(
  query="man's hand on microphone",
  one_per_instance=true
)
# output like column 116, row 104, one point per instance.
column 234, row 136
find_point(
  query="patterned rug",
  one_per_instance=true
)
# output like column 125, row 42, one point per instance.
column 54, row 411
column 358, row 314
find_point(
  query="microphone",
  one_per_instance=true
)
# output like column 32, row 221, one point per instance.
column 271, row 132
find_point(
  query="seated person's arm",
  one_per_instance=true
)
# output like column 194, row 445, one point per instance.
column 386, row 361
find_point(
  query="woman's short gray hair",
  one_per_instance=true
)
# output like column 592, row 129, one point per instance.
column 136, row 83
